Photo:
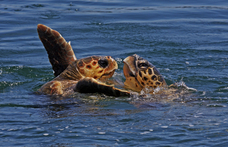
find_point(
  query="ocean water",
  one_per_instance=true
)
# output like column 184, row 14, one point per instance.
column 186, row 40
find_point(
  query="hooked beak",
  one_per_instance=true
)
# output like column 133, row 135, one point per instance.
column 111, row 69
column 129, row 68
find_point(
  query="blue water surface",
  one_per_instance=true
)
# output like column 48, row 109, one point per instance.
column 186, row 40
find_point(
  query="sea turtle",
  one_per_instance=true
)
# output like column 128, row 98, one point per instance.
column 82, row 75
column 140, row 74
column 74, row 75
column 144, row 77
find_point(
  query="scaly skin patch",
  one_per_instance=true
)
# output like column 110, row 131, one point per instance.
column 140, row 73
column 97, row 67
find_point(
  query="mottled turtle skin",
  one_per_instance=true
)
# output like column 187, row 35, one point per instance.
column 72, row 75
column 140, row 73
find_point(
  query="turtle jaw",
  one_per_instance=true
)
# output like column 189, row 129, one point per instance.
column 130, row 73
column 107, row 75
column 129, row 68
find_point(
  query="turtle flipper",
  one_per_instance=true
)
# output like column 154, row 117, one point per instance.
column 52, row 88
column 60, row 53
column 90, row 85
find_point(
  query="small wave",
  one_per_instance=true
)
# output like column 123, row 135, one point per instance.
column 177, row 91
column 181, row 84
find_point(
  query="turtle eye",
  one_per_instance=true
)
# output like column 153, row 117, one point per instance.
column 103, row 63
column 142, row 65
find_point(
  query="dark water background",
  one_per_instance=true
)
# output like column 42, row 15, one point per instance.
column 185, row 40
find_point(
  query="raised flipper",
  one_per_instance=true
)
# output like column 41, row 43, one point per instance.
column 60, row 53
column 90, row 85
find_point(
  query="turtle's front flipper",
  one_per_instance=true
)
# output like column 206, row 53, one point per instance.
column 60, row 53
column 90, row 85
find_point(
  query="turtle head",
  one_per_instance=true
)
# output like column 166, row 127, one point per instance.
column 141, row 73
column 97, row 67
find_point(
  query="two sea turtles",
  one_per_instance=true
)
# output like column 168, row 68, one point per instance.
column 86, row 75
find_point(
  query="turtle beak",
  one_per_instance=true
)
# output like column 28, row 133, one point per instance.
column 112, row 66
column 129, row 68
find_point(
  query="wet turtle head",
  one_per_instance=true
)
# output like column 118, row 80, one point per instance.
column 97, row 67
column 140, row 73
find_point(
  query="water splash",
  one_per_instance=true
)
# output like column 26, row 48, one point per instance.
column 178, row 91
column 181, row 84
